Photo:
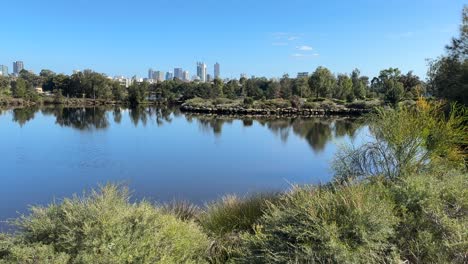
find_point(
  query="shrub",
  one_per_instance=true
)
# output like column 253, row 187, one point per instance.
column 350, row 224
column 226, row 219
column 248, row 101
column 434, row 217
column 183, row 210
column 104, row 227
column 406, row 141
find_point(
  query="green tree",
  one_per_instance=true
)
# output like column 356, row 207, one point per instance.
column 286, row 87
column 273, row 90
column 217, row 90
column 301, row 88
column 138, row 92
column 448, row 75
column 343, row 88
column 322, row 82
column 359, row 86
column 19, row 88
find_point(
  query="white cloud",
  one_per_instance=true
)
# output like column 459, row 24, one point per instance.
column 304, row 48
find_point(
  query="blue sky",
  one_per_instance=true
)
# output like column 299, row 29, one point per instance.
column 262, row 38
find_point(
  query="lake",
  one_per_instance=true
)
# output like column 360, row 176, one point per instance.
column 161, row 154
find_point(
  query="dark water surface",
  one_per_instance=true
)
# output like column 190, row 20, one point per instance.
column 54, row 152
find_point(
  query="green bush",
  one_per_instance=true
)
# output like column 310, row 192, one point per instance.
column 433, row 211
column 324, row 225
column 273, row 104
column 406, row 141
column 248, row 101
column 104, row 227
column 226, row 219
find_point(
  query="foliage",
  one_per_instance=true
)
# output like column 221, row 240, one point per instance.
column 350, row 224
column 448, row 75
column 322, row 82
column 226, row 219
column 406, row 140
column 104, row 227
column 433, row 212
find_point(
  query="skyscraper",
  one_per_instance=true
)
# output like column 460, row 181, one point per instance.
column 169, row 76
column 151, row 74
column 158, row 76
column 18, row 66
column 201, row 71
column 178, row 73
column 216, row 71
column 3, row 70
column 209, row 78
column 186, row 76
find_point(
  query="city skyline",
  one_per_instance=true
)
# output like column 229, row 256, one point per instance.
column 272, row 38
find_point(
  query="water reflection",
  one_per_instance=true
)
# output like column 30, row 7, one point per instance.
column 317, row 131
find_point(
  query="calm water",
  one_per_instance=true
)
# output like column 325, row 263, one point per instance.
column 51, row 153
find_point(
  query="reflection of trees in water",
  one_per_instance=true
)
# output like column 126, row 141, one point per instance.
column 23, row 115
column 317, row 132
column 83, row 118
column 280, row 127
column 161, row 115
column 347, row 126
column 117, row 115
column 208, row 124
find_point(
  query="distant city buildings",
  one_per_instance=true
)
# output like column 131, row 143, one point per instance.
column 302, row 74
column 18, row 66
column 3, row 70
column 150, row 74
column 217, row 71
column 169, row 76
column 186, row 76
column 201, row 71
column 179, row 73
column 158, row 76
column 243, row 75
column 126, row 82
column 209, row 78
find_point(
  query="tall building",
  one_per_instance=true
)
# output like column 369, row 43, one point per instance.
column 209, row 78
column 178, row 73
column 216, row 71
column 169, row 76
column 201, row 71
column 3, row 70
column 150, row 74
column 158, row 76
column 302, row 74
column 18, row 66
column 186, row 76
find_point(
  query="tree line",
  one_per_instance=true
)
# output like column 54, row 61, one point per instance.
column 390, row 85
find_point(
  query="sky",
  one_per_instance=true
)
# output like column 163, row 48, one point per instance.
column 262, row 38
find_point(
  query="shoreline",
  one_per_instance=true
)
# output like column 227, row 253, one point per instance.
column 237, row 110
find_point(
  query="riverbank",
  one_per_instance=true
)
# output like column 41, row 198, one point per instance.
column 224, row 106
column 279, row 107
